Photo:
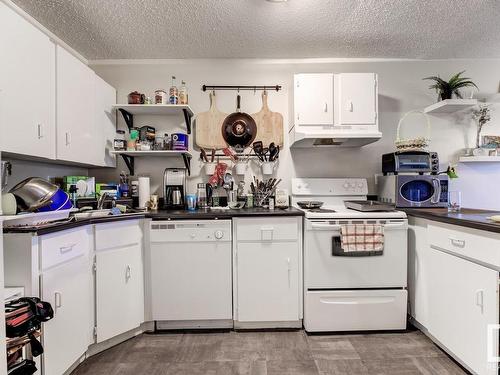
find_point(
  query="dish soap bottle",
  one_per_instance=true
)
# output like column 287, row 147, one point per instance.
column 173, row 93
column 183, row 94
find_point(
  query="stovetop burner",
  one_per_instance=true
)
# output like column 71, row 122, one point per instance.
column 322, row 210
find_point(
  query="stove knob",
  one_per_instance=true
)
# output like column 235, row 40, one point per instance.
column 346, row 185
column 352, row 185
column 219, row 234
column 360, row 185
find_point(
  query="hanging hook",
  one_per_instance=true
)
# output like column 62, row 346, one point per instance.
column 213, row 92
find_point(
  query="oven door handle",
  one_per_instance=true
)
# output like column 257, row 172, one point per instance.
column 437, row 191
column 325, row 226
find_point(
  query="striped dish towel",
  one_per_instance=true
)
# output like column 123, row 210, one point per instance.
column 362, row 237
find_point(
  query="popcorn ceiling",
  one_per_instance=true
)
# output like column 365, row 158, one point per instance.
column 150, row 29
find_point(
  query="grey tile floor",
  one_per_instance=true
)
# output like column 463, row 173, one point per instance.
column 269, row 353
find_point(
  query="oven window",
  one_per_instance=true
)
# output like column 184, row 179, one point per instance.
column 417, row 190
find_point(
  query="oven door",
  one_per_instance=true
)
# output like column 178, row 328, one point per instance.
column 323, row 270
column 418, row 191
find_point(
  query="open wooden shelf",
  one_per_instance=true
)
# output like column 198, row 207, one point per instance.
column 155, row 109
column 129, row 157
column 450, row 106
column 128, row 112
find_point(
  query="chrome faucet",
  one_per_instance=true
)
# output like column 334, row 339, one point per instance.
column 100, row 201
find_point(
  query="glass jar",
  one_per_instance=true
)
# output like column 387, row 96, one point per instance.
column 119, row 143
column 201, row 196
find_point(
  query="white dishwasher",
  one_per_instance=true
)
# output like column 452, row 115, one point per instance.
column 191, row 283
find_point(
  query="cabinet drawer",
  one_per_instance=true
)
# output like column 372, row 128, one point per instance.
column 117, row 234
column 477, row 245
column 355, row 310
column 60, row 247
column 267, row 229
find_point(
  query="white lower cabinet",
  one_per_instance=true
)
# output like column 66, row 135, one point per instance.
column 119, row 293
column 119, row 278
column 66, row 284
column 267, row 272
column 418, row 270
column 463, row 302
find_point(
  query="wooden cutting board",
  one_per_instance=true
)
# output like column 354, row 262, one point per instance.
column 208, row 127
column 269, row 124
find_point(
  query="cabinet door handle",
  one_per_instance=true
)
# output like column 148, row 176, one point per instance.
column 266, row 233
column 289, row 273
column 66, row 249
column 57, row 300
column 350, row 106
column 40, row 131
column 128, row 273
column 456, row 242
column 325, row 108
column 68, row 138
column 480, row 299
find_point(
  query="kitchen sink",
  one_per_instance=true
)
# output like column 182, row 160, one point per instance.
column 93, row 214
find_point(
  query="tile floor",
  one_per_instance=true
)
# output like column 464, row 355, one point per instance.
column 269, row 353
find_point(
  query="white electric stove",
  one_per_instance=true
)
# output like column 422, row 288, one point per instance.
column 350, row 293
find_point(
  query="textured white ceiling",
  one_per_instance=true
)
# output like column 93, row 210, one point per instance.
column 151, row 29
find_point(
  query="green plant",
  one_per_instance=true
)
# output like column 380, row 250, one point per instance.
column 446, row 90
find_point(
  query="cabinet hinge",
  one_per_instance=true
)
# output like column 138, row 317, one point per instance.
column 94, row 266
column 298, row 85
column 95, row 331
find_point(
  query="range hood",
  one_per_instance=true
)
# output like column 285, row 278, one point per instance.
column 308, row 140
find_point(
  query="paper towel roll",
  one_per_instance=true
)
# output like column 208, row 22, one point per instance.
column 144, row 191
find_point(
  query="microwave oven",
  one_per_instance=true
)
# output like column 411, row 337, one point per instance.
column 405, row 191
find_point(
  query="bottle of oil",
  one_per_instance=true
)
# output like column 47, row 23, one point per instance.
column 183, row 94
column 173, row 93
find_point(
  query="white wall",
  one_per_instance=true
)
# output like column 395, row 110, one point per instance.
column 401, row 89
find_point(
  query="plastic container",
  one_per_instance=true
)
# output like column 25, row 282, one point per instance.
column 191, row 202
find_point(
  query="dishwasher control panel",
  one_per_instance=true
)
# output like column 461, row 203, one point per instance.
column 190, row 231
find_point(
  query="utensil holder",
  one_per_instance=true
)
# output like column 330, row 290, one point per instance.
column 240, row 168
column 267, row 167
column 261, row 200
column 210, row 168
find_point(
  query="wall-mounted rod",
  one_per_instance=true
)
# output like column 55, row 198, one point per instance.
column 241, row 88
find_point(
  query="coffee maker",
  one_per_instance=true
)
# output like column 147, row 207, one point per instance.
column 174, row 188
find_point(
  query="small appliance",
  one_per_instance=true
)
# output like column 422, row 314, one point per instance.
column 350, row 293
column 413, row 190
column 174, row 188
column 410, row 162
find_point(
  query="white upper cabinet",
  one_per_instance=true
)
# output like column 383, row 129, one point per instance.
column 27, row 87
column 313, row 99
column 105, row 97
column 357, row 98
column 75, row 105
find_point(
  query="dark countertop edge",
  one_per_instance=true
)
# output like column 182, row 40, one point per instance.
column 222, row 214
column 161, row 215
column 73, row 224
column 444, row 217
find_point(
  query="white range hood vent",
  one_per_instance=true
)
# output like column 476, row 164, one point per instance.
column 301, row 140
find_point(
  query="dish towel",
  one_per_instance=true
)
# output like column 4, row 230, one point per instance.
column 360, row 240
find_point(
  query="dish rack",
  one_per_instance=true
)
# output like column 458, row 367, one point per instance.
column 33, row 219
column 413, row 144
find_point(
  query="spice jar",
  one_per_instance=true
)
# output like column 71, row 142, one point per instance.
column 119, row 143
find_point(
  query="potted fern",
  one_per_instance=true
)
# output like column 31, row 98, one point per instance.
column 446, row 89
